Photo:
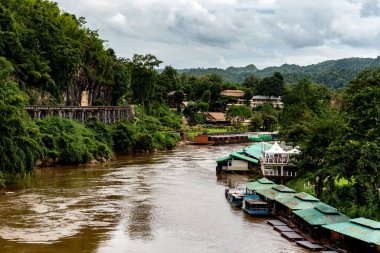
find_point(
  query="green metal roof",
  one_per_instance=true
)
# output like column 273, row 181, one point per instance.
column 306, row 197
column 283, row 188
column 262, row 183
column 362, row 229
column 315, row 217
column 324, row 208
column 244, row 157
column 367, row 222
column 274, row 194
column 223, row 159
column 296, row 203
column 255, row 149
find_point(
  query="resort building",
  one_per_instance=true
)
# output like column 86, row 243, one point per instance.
column 217, row 118
column 276, row 162
column 259, row 100
column 271, row 159
column 243, row 160
column 238, row 94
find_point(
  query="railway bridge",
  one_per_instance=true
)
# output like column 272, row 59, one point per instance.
column 105, row 114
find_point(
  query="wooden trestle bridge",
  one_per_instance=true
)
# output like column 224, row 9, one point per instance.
column 105, row 114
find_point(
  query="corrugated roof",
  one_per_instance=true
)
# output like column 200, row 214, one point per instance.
column 306, row 197
column 367, row 222
column 223, row 159
column 216, row 116
column 266, row 97
column 255, row 149
column 265, row 181
column 232, row 93
column 243, row 157
column 299, row 201
column 283, row 188
column 355, row 229
column 262, row 183
column 324, row 208
column 315, row 217
column 273, row 194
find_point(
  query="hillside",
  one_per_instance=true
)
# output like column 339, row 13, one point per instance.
column 333, row 73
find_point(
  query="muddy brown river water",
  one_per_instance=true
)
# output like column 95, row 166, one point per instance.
column 164, row 202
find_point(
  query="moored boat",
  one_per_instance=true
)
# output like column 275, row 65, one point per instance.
column 235, row 197
column 254, row 206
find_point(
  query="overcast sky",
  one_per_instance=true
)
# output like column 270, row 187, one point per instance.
column 223, row 33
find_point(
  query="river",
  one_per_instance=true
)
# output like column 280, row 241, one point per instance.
column 164, row 202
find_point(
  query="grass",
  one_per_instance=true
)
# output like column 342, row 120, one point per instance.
column 301, row 185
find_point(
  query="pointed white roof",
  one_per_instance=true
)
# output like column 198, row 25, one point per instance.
column 294, row 151
column 275, row 149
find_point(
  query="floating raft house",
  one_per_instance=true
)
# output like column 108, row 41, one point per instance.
column 261, row 184
column 360, row 233
column 321, row 214
column 277, row 192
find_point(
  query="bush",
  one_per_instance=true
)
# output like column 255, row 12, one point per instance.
column 67, row 141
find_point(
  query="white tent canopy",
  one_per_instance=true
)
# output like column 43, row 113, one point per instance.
column 294, row 151
column 276, row 149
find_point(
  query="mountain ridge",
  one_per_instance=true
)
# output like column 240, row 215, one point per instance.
column 334, row 74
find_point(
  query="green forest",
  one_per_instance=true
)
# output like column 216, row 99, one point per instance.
column 334, row 74
column 49, row 57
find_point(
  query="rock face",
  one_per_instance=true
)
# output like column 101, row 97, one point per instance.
column 84, row 90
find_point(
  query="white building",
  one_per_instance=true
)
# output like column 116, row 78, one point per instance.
column 259, row 100
column 278, row 162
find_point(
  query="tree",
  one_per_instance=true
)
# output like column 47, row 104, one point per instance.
column 248, row 94
column 238, row 113
column 121, row 85
column 256, row 121
column 271, row 86
column 143, row 77
column 206, row 97
column 167, row 82
column 18, row 148
column 178, row 99
column 251, row 82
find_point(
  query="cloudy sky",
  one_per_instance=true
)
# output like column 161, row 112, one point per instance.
column 223, row 33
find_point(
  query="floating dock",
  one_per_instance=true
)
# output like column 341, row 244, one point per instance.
column 276, row 223
column 292, row 236
column 283, row 229
column 310, row 246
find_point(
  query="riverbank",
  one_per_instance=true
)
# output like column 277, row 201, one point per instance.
column 54, row 140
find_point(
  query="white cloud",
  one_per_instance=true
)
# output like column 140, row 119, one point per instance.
column 221, row 33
